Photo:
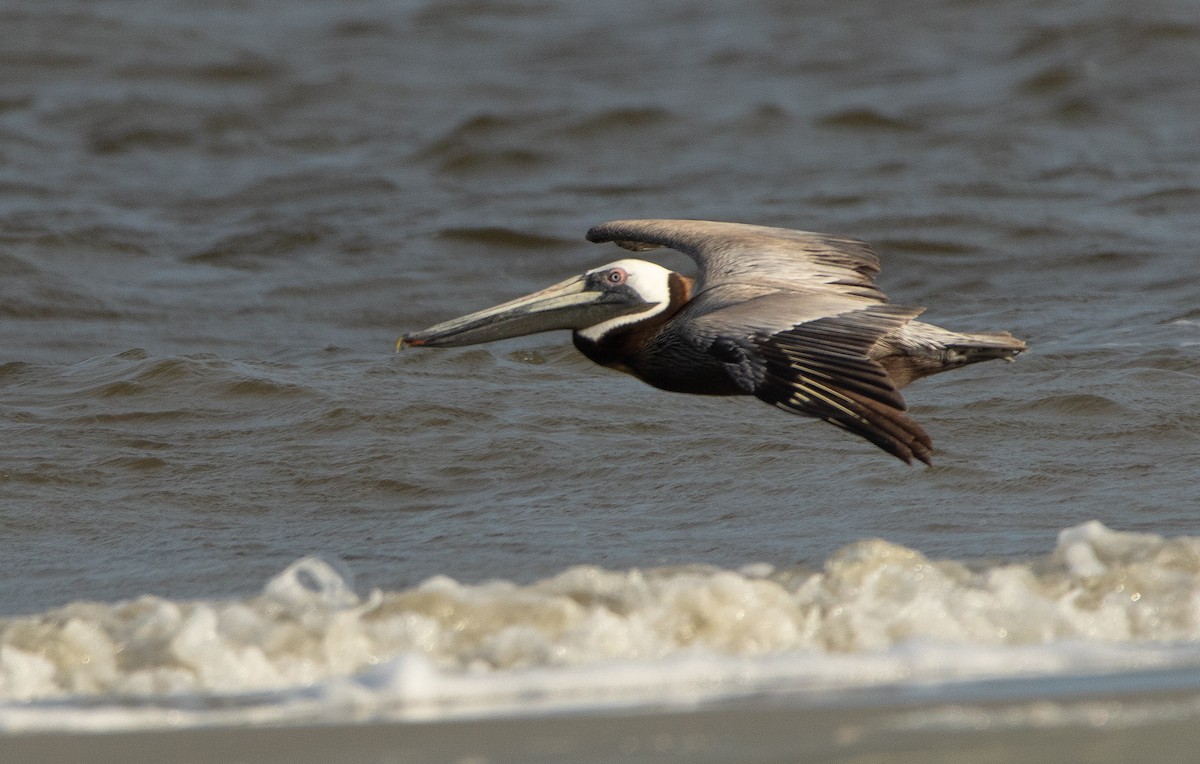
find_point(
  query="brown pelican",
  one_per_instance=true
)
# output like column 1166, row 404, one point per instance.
column 791, row 317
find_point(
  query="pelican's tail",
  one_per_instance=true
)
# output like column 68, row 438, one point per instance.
column 918, row 349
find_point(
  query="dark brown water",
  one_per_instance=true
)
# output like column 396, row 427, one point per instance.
column 216, row 218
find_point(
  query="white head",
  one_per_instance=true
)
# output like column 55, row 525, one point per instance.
column 629, row 279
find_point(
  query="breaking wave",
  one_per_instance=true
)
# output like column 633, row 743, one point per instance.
column 876, row 613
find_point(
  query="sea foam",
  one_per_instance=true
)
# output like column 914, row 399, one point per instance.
column 875, row 614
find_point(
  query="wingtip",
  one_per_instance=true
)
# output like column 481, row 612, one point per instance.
column 911, row 452
column 607, row 231
column 612, row 232
column 596, row 234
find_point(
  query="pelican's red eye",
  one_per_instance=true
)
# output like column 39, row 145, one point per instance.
column 617, row 276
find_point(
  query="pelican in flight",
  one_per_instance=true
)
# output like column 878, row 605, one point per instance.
column 791, row 317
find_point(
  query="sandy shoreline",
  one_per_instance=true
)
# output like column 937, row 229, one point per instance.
column 1116, row 725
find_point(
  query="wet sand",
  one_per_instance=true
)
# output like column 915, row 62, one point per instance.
column 1088, row 720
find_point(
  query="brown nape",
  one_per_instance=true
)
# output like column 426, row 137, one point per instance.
column 681, row 290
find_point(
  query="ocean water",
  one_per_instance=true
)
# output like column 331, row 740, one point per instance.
column 227, row 504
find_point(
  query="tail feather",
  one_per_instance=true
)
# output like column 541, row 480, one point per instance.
column 919, row 349
column 985, row 347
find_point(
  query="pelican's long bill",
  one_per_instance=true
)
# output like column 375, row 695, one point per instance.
column 572, row 304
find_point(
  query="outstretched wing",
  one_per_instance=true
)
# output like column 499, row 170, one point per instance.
column 753, row 254
column 820, row 367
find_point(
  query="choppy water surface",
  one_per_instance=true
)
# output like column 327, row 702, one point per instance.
column 215, row 221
